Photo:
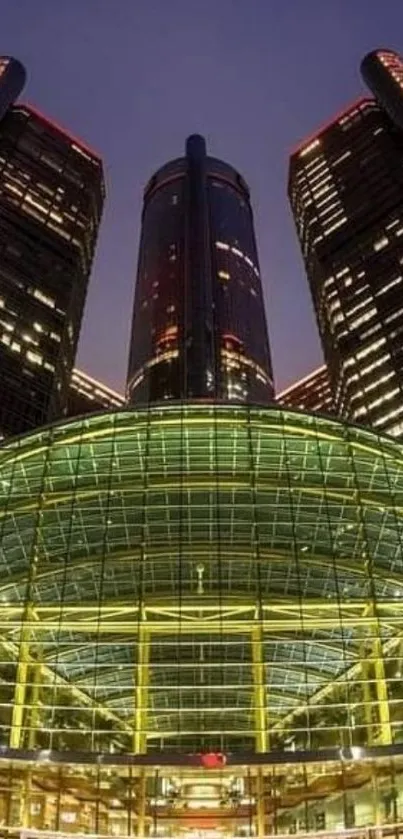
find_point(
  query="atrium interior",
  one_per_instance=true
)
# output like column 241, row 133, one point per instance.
column 201, row 625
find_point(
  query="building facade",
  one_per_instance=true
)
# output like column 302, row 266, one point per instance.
column 346, row 193
column 87, row 395
column 312, row 393
column 51, row 196
column 199, row 327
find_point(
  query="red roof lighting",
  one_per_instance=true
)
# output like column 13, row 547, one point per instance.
column 356, row 104
column 59, row 128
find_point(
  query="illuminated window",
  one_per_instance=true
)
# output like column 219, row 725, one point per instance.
column 224, row 275
column 7, row 325
column 392, row 224
column 35, row 203
column 381, row 243
column 318, row 192
column 367, row 350
column 394, row 430
column 375, row 364
column 394, row 315
column 34, row 357
column 334, row 305
column 14, row 189
column 56, row 217
column 29, row 339
column 341, row 158
column 44, row 298
column 386, row 397
column 335, row 225
column 361, row 412
column 371, row 331
column 389, row 285
column 358, row 306
column 313, row 145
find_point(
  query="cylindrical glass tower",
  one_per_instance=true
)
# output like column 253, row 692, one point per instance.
column 382, row 71
column 199, row 326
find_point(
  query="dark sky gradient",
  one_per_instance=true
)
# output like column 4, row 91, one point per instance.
column 134, row 77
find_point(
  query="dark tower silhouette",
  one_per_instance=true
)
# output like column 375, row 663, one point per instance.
column 12, row 80
column 199, row 327
column 382, row 71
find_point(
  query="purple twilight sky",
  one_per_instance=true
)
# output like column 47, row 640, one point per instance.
column 134, row 77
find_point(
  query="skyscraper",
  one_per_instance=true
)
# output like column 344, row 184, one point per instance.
column 199, row 327
column 51, row 196
column 346, row 193
column 312, row 393
column 87, row 395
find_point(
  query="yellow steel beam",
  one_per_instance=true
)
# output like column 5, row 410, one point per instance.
column 382, row 695
column 211, row 708
column 141, row 692
column 202, row 419
column 141, row 803
column 377, row 655
column 370, row 499
column 20, row 689
column 259, row 683
column 199, row 626
column 200, row 551
column 33, row 720
column 231, row 605
column 260, row 711
column 165, row 733
column 282, row 666
column 366, row 689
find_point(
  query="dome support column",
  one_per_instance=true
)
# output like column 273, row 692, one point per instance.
column 261, row 736
column 140, row 715
column 21, row 681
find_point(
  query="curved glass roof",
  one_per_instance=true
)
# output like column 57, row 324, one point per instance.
column 194, row 575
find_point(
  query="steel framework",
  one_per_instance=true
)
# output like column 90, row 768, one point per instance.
column 194, row 577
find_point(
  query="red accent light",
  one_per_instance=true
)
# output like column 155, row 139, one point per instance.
column 59, row 128
column 356, row 104
column 213, row 760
